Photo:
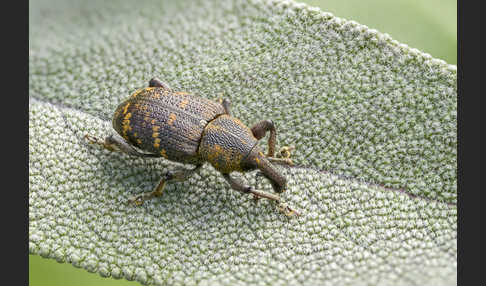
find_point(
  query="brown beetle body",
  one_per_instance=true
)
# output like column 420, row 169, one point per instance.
column 188, row 129
column 165, row 123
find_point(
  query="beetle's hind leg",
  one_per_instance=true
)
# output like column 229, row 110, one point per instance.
column 259, row 130
column 116, row 143
column 240, row 187
column 168, row 177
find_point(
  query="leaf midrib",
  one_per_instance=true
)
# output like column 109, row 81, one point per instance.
column 379, row 186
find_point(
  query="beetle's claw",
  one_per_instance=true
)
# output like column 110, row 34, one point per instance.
column 256, row 198
column 136, row 200
column 96, row 140
column 284, row 152
column 92, row 139
column 287, row 210
column 283, row 156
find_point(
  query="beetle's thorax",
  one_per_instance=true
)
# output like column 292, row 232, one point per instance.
column 229, row 145
column 225, row 143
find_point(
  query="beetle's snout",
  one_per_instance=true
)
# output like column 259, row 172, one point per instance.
column 279, row 182
column 279, row 185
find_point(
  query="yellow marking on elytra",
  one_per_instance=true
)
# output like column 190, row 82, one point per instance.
column 156, row 143
column 163, row 153
column 125, row 109
column 135, row 134
column 183, row 103
column 155, row 134
column 172, row 118
column 261, row 154
column 257, row 160
column 126, row 124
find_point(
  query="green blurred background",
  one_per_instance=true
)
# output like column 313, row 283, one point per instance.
column 428, row 25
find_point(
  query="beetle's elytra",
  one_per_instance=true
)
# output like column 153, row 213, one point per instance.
column 189, row 129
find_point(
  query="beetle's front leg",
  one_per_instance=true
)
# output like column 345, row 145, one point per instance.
column 283, row 156
column 240, row 187
column 260, row 129
column 114, row 143
column 168, row 177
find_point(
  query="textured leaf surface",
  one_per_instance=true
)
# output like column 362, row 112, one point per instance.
column 374, row 123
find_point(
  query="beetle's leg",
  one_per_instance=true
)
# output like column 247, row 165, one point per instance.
column 155, row 82
column 168, row 177
column 284, row 152
column 226, row 103
column 282, row 161
column 284, row 156
column 114, row 143
column 260, row 129
column 240, row 187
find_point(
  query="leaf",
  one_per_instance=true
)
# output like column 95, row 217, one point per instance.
column 373, row 122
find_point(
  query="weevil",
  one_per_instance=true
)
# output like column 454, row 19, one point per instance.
column 185, row 128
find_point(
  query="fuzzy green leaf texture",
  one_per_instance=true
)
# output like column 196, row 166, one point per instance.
column 373, row 123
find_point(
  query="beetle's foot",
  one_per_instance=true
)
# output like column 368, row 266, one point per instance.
column 256, row 198
column 283, row 156
column 93, row 140
column 287, row 210
column 136, row 200
column 96, row 140
column 140, row 198
column 284, row 152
